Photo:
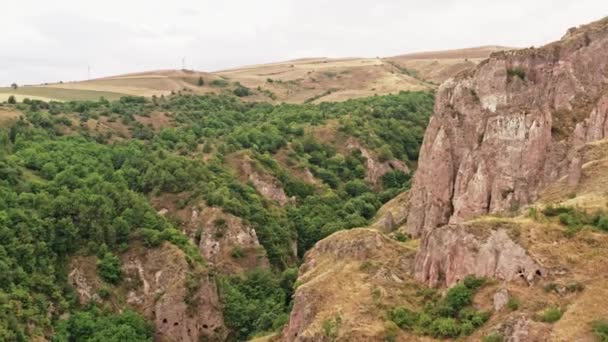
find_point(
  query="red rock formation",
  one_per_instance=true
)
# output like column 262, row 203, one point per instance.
column 502, row 132
column 450, row 253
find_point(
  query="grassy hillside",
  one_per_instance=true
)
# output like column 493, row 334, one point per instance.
column 48, row 93
column 311, row 80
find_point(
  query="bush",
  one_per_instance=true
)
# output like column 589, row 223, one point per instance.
column 255, row 302
column 108, row 268
column 241, row 91
column 219, row 83
column 445, row 327
column 550, row 315
column 450, row 316
column 602, row 222
column 404, row 318
column 12, row 99
column 600, row 328
column 385, row 153
column 513, row 304
column 516, row 72
column 400, row 236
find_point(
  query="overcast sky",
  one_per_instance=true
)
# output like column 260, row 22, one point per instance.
column 48, row 41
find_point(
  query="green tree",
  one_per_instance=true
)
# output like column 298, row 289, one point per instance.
column 108, row 268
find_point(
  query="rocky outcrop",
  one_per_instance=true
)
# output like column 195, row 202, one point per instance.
column 392, row 215
column 521, row 328
column 345, row 281
column 375, row 168
column 507, row 129
column 224, row 240
column 450, row 253
column 265, row 183
column 154, row 283
column 179, row 313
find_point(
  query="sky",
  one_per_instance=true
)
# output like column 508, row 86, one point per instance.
column 49, row 41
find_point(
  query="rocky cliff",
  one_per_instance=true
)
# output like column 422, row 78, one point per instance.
column 510, row 127
column 155, row 284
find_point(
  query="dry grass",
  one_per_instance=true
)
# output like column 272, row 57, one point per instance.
column 358, row 275
column 296, row 81
column 48, row 93
column 8, row 115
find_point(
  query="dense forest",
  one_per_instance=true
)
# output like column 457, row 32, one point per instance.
column 70, row 187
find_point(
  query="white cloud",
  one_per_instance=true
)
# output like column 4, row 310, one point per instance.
column 46, row 41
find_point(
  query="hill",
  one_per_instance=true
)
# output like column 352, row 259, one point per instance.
column 297, row 81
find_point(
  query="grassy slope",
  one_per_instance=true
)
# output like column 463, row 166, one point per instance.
column 58, row 94
column 298, row 81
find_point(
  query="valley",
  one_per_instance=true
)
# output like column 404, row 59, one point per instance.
column 456, row 195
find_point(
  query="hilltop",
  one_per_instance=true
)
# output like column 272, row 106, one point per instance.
column 296, row 81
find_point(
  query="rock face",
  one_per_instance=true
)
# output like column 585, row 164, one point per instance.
column 450, row 253
column 154, row 283
column 266, row 184
column 226, row 241
column 502, row 132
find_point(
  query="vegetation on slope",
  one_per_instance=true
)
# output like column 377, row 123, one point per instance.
column 66, row 188
column 450, row 316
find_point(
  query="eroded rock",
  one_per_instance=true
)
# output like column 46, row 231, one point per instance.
column 504, row 131
column 154, row 284
column 500, row 299
column 450, row 253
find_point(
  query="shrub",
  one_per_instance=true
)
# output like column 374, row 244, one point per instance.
column 400, row 236
column 237, row 252
column 12, row 100
column 494, row 337
column 241, row 91
column 445, row 327
column 456, row 298
column 473, row 283
column 385, row 153
column 600, row 328
column 404, row 318
column 513, row 304
column 200, row 82
column 602, row 222
column 550, row 315
column 108, row 268
column 516, row 72
column 219, row 83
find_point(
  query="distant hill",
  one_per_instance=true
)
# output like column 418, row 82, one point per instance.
column 296, row 81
